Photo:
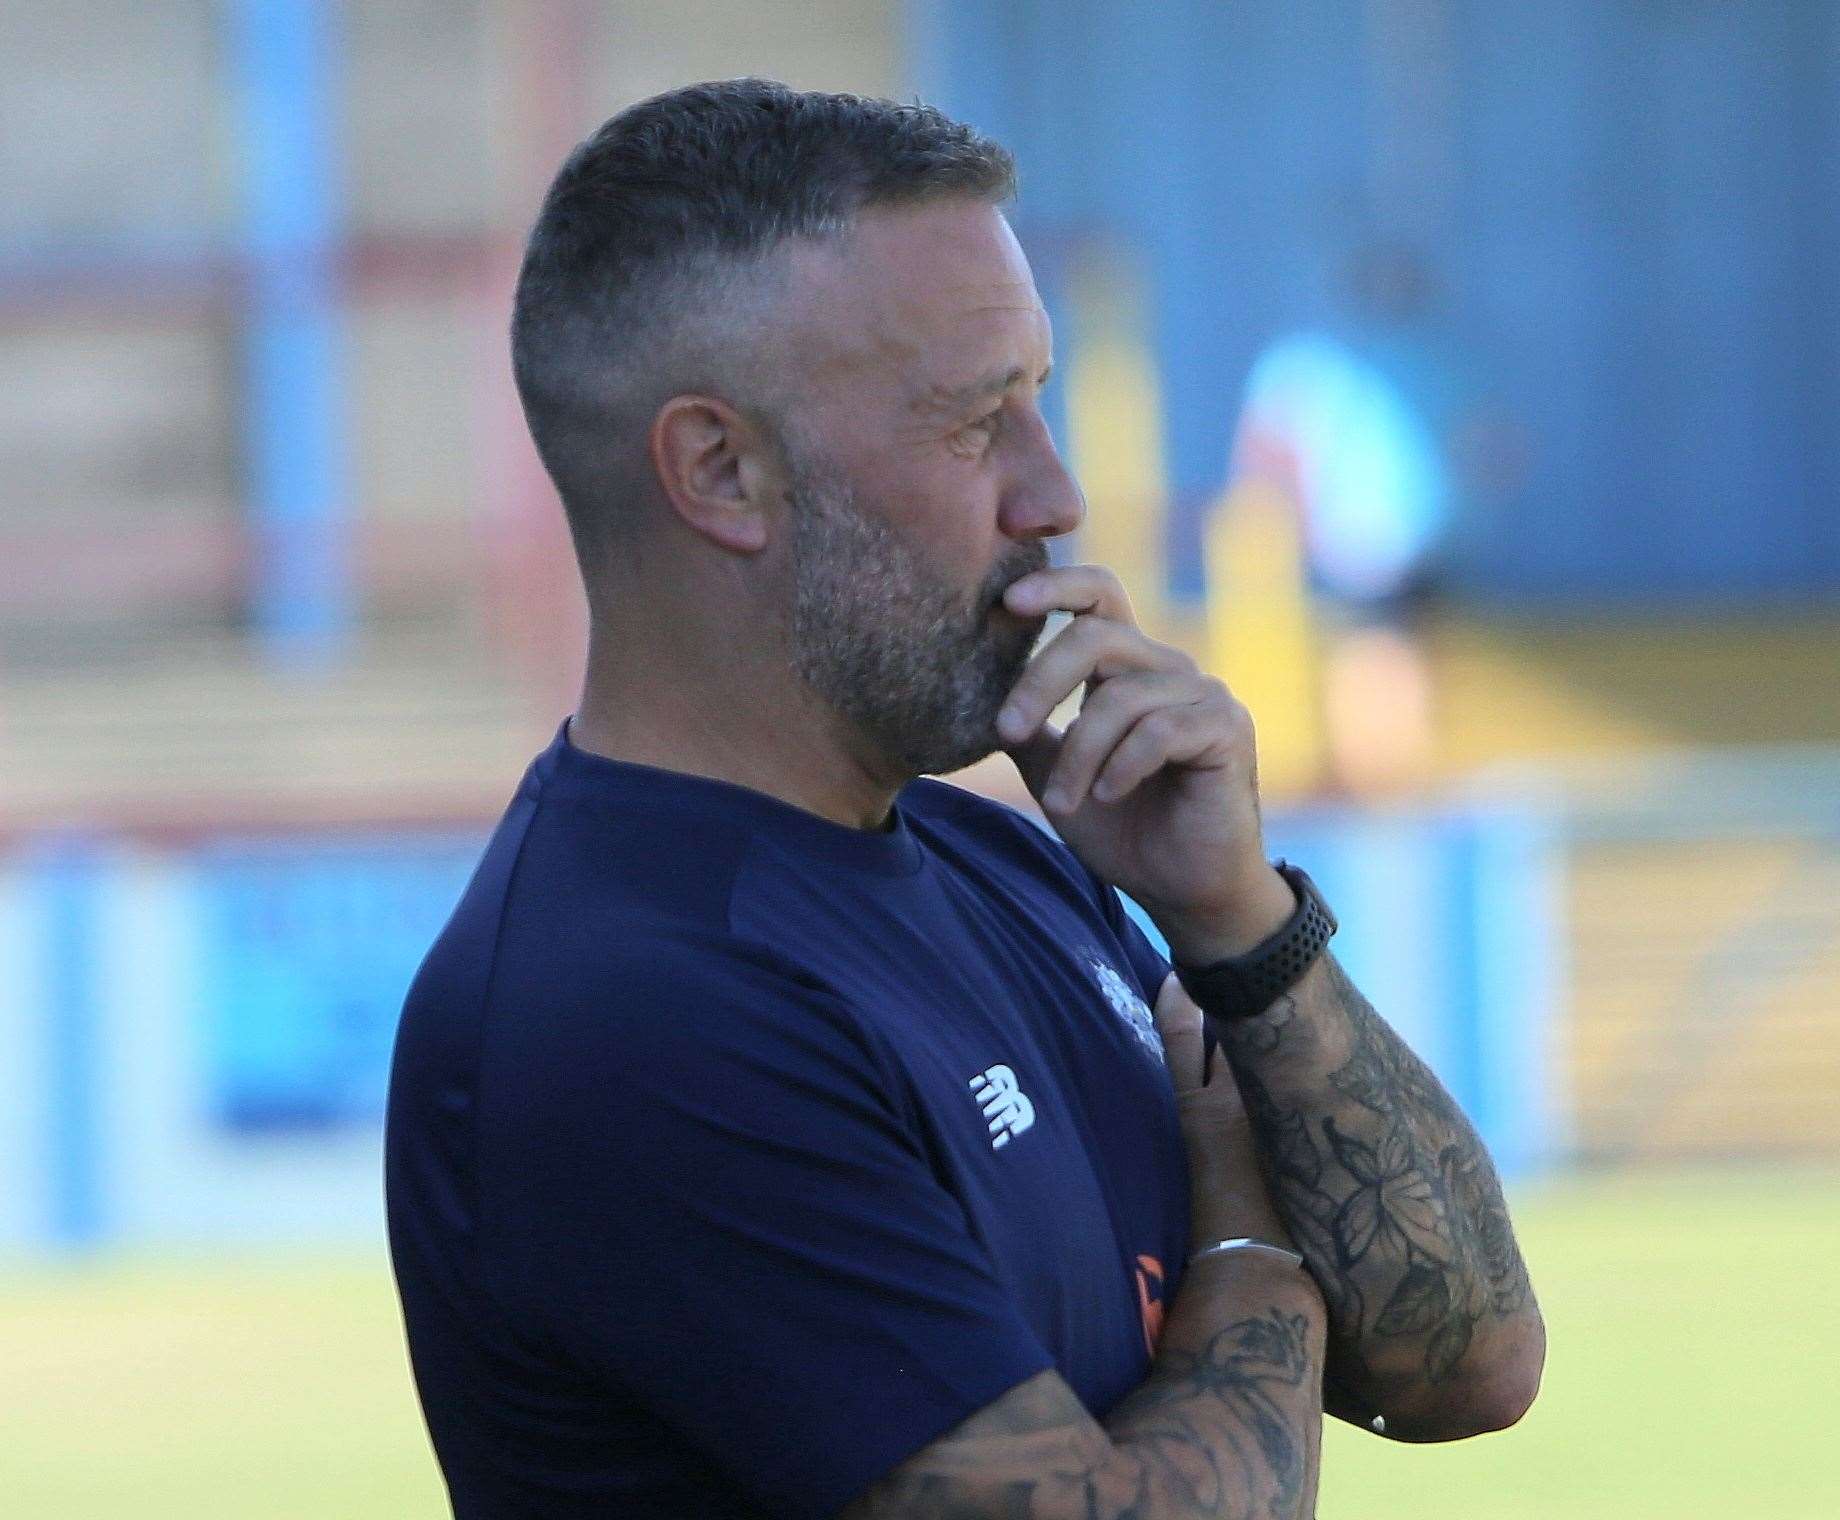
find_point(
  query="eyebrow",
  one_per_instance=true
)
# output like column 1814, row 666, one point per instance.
column 951, row 398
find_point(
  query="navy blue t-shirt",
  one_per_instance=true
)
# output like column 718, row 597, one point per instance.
column 734, row 1154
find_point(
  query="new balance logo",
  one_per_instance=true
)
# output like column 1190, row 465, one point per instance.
column 1003, row 1105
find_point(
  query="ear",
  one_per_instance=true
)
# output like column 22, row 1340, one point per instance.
column 718, row 470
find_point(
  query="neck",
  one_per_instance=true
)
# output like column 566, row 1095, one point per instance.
column 750, row 722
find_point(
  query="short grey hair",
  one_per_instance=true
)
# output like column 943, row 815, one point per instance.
column 649, row 265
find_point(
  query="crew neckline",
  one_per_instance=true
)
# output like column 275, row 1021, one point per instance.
column 570, row 770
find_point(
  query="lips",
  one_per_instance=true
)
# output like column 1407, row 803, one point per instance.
column 996, row 600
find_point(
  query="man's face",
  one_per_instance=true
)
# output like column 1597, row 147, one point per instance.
column 922, row 478
column 918, row 664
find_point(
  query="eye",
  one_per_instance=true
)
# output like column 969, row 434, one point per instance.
column 977, row 434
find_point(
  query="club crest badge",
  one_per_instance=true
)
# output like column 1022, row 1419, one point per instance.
column 1126, row 1004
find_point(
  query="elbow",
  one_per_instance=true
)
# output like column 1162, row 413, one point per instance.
column 1494, row 1389
column 1505, row 1382
column 1506, row 1391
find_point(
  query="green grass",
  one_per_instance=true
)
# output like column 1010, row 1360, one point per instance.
column 1693, row 1322
column 209, row 1389
column 1693, row 1331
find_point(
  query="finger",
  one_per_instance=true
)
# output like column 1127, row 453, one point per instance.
column 1087, row 649
column 1035, row 756
column 1179, row 1023
column 1200, row 735
column 1070, row 588
column 1106, row 716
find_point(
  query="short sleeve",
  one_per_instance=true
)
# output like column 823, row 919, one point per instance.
column 717, row 1209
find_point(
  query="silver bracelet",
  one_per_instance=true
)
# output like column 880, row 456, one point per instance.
column 1245, row 1243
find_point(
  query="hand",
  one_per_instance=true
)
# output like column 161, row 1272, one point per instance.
column 1228, row 1197
column 1155, row 784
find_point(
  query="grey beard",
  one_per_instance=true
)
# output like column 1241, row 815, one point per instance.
column 917, row 667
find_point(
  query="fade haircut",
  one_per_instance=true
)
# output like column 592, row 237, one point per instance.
column 650, row 270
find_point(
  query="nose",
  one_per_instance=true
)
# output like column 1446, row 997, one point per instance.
column 1042, row 499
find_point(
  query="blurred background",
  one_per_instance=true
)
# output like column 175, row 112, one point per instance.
column 1458, row 378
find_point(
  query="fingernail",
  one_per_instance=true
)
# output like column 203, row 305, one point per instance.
column 1009, row 722
column 1104, row 791
column 1056, row 799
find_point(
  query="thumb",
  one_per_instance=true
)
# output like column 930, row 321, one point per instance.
column 1035, row 756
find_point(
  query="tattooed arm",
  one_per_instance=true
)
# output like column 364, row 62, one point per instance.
column 1228, row 1423
column 1154, row 787
column 1394, row 1202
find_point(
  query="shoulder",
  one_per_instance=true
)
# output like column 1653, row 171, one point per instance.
column 988, row 839
column 687, row 1044
column 667, row 990
column 683, row 1028
column 975, row 828
column 945, row 806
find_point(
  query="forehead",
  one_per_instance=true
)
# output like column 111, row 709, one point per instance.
column 920, row 299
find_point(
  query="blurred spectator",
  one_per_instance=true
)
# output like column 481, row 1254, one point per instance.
column 1368, row 433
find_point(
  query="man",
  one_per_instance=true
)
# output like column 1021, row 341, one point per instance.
column 772, row 1132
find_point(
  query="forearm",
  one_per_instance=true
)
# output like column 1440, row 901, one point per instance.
column 1226, row 1426
column 1229, row 1420
column 1392, row 1198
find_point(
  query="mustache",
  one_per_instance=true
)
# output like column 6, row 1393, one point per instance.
column 1030, row 558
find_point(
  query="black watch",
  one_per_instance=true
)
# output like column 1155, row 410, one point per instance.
column 1244, row 986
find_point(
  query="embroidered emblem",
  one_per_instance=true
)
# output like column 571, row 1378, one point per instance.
column 1126, row 1004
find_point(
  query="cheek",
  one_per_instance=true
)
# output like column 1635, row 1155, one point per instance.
column 945, row 508
column 957, row 511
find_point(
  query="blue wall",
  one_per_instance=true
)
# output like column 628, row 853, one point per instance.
column 196, row 1039
column 1638, row 236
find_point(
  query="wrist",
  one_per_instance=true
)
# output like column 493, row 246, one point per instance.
column 1269, row 1274
column 1252, row 1223
column 1227, row 1196
column 1242, row 986
column 1252, row 1243
column 1254, row 912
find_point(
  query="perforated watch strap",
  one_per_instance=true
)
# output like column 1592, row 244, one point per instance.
column 1244, row 986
